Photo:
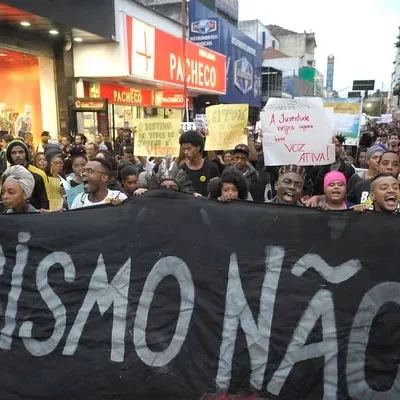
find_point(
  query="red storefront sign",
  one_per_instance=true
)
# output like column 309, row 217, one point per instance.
column 158, row 56
column 126, row 95
column 171, row 99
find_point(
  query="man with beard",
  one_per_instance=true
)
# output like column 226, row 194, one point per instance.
column 95, row 177
column 126, row 141
column 289, row 187
column 17, row 153
column 199, row 170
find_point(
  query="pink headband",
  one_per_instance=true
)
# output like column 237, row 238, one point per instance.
column 333, row 176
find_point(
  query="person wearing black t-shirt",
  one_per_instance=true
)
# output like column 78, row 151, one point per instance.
column 320, row 171
column 199, row 170
column 388, row 164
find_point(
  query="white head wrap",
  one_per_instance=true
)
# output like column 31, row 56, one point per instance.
column 21, row 175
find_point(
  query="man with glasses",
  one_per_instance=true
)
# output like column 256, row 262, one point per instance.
column 95, row 177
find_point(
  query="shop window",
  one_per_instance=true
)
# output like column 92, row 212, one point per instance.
column 124, row 116
column 27, row 94
column 173, row 113
column 150, row 112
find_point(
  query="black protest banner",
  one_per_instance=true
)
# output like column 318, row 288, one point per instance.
column 173, row 297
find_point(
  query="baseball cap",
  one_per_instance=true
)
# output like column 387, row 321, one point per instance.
column 242, row 148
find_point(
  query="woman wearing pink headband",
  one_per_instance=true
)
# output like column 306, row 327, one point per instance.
column 335, row 191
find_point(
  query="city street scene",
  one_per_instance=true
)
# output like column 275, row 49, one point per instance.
column 199, row 200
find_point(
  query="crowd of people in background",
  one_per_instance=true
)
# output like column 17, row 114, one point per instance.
column 91, row 173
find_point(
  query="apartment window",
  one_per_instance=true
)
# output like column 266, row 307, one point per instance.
column 273, row 44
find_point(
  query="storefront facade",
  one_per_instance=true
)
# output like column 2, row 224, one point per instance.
column 127, row 105
column 36, row 68
column 244, row 56
column 28, row 100
column 143, row 75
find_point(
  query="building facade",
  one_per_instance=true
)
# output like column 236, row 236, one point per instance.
column 290, row 67
column 315, row 78
column 243, row 55
column 226, row 9
column 143, row 74
column 301, row 45
column 259, row 33
column 36, row 53
column 395, row 97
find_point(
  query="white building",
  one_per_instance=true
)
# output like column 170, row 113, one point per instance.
column 300, row 45
column 259, row 33
column 292, row 85
column 394, row 101
column 288, row 65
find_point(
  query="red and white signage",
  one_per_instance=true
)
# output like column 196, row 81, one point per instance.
column 126, row 95
column 171, row 99
column 165, row 99
column 158, row 56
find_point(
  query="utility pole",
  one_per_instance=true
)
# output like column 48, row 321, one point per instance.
column 184, row 39
column 380, row 101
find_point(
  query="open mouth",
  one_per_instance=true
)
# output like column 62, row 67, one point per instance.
column 391, row 199
column 288, row 197
column 85, row 183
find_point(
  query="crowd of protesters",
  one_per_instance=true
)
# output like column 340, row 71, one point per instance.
column 99, row 172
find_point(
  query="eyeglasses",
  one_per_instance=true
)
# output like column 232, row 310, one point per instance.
column 91, row 171
column 59, row 163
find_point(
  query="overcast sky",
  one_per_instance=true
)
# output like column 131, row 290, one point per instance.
column 360, row 33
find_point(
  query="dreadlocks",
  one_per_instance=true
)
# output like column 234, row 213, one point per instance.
column 166, row 172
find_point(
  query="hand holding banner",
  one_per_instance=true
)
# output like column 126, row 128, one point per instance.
column 157, row 137
column 226, row 125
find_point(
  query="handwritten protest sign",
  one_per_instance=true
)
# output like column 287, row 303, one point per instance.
column 298, row 103
column 54, row 196
column 386, row 118
column 201, row 123
column 188, row 126
column 347, row 115
column 298, row 136
column 226, row 126
column 157, row 137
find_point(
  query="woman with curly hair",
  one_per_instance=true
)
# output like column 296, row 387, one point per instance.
column 231, row 186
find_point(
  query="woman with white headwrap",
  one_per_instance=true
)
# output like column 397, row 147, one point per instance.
column 18, row 185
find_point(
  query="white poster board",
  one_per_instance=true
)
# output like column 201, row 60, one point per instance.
column 188, row 126
column 386, row 118
column 298, row 103
column 297, row 132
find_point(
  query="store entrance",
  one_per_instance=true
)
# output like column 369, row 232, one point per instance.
column 26, row 83
column 127, row 117
column 91, row 117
